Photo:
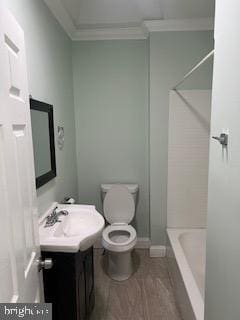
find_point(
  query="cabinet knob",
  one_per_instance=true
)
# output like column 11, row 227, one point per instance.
column 44, row 264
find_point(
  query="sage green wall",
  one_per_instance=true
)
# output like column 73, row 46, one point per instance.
column 49, row 63
column 111, row 108
column 172, row 55
column 112, row 115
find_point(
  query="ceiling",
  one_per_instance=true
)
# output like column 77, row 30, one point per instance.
column 98, row 13
column 84, row 16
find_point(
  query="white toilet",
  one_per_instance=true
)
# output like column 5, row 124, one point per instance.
column 119, row 237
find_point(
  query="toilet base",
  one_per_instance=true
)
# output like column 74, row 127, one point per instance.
column 120, row 265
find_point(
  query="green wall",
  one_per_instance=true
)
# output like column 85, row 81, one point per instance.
column 172, row 55
column 49, row 63
column 111, row 84
column 121, row 91
column 111, row 108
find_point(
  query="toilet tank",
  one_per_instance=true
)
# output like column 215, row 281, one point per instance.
column 132, row 188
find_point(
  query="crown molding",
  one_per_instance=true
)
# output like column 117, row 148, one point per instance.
column 110, row 34
column 179, row 25
column 140, row 32
column 62, row 16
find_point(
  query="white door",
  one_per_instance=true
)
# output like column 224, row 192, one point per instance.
column 19, row 247
column 223, row 235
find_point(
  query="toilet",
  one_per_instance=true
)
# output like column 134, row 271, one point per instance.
column 119, row 237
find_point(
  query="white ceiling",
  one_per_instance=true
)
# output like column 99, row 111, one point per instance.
column 92, row 13
column 99, row 13
column 82, row 15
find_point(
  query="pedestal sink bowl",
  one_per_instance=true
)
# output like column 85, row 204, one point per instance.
column 76, row 231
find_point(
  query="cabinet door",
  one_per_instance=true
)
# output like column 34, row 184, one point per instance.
column 81, row 291
column 60, row 285
column 89, row 280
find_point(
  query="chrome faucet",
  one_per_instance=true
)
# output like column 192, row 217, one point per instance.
column 52, row 218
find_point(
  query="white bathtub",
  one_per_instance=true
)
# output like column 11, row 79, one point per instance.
column 186, row 252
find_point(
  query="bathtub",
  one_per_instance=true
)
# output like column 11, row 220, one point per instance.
column 186, row 253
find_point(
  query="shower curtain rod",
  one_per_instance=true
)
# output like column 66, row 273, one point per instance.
column 209, row 55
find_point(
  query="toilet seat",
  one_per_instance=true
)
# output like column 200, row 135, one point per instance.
column 119, row 237
column 119, row 209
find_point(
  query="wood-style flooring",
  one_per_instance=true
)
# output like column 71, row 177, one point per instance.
column 147, row 295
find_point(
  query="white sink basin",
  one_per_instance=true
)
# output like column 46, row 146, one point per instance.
column 79, row 230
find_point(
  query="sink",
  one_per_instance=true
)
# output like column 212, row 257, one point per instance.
column 79, row 230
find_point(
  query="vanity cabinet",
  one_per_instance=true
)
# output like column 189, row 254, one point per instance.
column 69, row 284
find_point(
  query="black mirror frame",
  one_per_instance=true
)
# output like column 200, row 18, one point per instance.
column 44, row 107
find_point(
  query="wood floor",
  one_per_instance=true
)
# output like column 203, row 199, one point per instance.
column 147, row 295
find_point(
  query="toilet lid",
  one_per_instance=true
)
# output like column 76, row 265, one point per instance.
column 119, row 205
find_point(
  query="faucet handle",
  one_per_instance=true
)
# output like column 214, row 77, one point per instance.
column 54, row 212
column 64, row 212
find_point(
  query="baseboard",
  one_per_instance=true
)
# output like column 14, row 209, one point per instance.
column 157, row 251
column 142, row 243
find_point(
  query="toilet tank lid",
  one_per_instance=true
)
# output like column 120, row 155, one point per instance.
column 132, row 188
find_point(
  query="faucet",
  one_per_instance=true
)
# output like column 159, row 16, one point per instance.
column 52, row 218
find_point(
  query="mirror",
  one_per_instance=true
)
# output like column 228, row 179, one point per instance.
column 43, row 141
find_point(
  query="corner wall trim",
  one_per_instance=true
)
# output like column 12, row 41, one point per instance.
column 157, row 251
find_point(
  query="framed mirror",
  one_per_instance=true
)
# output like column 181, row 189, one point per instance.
column 43, row 141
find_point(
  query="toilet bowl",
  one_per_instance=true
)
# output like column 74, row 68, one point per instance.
column 119, row 237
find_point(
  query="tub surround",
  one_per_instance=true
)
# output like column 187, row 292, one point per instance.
column 188, row 158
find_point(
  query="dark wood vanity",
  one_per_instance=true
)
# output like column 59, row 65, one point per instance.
column 69, row 284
